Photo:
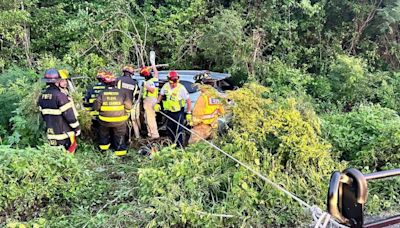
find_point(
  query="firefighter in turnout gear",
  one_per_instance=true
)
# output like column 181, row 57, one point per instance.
column 92, row 93
column 176, row 96
column 89, row 99
column 67, row 87
column 57, row 110
column 114, row 106
column 127, row 83
column 206, row 111
column 150, row 95
column 130, row 87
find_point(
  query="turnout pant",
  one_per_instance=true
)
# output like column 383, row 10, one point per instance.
column 69, row 143
column 175, row 131
column 95, row 128
column 150, row 117
column 203, row 130
column 66, row 143
column 115, row 133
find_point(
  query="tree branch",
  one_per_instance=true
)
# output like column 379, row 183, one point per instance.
column 361, row 27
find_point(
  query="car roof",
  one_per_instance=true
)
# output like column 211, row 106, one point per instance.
column 188, row 75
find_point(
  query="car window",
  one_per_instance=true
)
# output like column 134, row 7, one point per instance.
column 189, row 86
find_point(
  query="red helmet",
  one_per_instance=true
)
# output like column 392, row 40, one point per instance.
column 109, row 78
column 145, row 71
column 128, row 69
column 173, row 76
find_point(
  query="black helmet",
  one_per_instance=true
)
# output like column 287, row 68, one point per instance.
column 202, row 77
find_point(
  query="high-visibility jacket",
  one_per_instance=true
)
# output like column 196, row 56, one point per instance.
column 91, row 96
column 147, row 93
column 113, row 105
column 57, row 111
column 172, row 100
column 129, row 86
column 207, row 110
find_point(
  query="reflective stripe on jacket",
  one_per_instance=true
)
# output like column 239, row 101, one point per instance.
column 58, row 113
column 207, row 110
column 113, row 106
column 173, row 103
column 91, row 96
column 128, row 86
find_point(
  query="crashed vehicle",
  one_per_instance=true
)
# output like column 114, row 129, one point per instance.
column 186, row 78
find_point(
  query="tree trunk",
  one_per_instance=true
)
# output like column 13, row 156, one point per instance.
column 27, row 40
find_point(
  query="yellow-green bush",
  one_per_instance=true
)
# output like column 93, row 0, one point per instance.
column 201, row 187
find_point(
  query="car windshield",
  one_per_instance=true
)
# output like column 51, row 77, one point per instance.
column 189, row 86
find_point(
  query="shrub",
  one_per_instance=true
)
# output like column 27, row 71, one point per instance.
column 37, row 182
column 282, row 79
column 386, row 86
column 348, row 79
column 27, row 125
column 13, row 87
column 202, row 187
column 368, row 137
column 223, row 39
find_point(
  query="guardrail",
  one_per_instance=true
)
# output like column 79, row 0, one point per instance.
column 348, row 193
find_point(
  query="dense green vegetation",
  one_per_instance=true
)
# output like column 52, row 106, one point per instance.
column 321, row 82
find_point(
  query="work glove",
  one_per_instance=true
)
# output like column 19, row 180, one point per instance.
column 189, row 119
column 157, row 107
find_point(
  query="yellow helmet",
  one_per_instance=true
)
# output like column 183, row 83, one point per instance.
column 64, row 74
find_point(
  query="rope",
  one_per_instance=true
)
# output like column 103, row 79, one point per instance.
column 319, row 216
column 317, row 213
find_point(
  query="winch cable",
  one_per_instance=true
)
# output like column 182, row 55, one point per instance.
column 321, row 218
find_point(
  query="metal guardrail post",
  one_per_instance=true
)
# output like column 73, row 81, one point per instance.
column 348, row 193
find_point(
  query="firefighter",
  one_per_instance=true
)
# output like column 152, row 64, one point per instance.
column 150, row 95
column 64, row 74
column 130, row 86
column 206, row 111
column 127, row 83
column 57, row 110
column 114, row 106
column 67, row 87
column 91, row 96
column 176, row 96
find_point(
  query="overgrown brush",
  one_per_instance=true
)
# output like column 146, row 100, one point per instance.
column 110, row 199
column 15, row 84
column 26, row 121
column 39, row 182
column 369, row 138
column 201, row 187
